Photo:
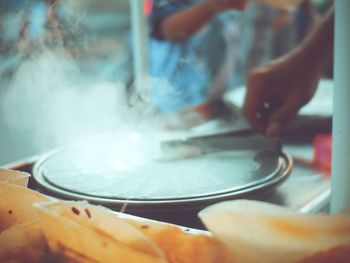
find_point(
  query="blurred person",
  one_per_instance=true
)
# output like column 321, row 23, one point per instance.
column 271, row 33
column 196, row 54
column 276, row 31
column 306, row 18
column 278, row 90
column 195, row 47
column 33, row 25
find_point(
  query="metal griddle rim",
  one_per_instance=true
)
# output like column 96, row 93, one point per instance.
column 179, row 203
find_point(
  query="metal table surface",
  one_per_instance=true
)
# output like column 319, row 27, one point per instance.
column 306, row 190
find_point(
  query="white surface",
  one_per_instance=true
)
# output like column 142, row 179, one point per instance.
column 320, row 105
column 340, row 197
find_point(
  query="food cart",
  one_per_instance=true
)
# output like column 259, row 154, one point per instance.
column 89, row 233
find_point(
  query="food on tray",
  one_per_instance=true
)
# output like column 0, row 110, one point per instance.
column 103, row 236
column 97, row 234
column 21, row 237
column 276, row 234
column 16, row 205
column 23, row 242
column 181, row 246
column 34, row 228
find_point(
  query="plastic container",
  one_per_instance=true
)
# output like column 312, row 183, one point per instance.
column 323, row 153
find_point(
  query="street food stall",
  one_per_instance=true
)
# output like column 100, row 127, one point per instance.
column 175, row 195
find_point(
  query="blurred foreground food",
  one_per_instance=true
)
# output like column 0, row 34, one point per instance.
column 35, row 228
column 276, row 234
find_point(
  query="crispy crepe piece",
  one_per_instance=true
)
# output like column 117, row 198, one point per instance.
column 94, row 234
column 23, row 243
column 180, row 246
column 265, row 233
column 14, row 177
column 16, row 205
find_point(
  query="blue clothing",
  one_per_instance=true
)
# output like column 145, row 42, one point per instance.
column 184, row 73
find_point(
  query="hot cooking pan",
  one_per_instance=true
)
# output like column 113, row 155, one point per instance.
column 118, row 168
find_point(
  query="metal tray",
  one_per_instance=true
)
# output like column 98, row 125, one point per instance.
column 97, row 172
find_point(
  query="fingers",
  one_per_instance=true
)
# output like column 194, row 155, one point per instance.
column 281, row 117
column 254, row 100
column 270, row 121
column 267, row 107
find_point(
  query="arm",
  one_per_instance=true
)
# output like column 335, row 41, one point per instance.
column 278, row 90
column 183, row 24
column 310, row 11
column 318, row 46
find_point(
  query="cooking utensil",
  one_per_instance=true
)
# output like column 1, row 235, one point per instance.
column 240, row 140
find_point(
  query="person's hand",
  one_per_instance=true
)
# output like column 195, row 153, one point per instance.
column 277, row 91
column 223, row 5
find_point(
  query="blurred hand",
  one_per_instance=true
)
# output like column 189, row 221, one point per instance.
column 223, row 5
column 276, row 92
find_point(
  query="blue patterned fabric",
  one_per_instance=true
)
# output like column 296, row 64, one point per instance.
column 183, row 73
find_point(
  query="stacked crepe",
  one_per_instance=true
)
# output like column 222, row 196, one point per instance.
column 35, row 228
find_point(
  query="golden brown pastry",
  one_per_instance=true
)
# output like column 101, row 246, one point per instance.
column 265, row 233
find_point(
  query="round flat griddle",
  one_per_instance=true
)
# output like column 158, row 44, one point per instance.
column 112, row 170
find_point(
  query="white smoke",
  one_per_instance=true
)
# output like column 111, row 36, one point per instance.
column 50, row 100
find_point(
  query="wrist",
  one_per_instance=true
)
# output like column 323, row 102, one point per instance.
column 312, row 55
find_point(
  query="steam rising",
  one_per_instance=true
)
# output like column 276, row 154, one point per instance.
column 49, row 100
